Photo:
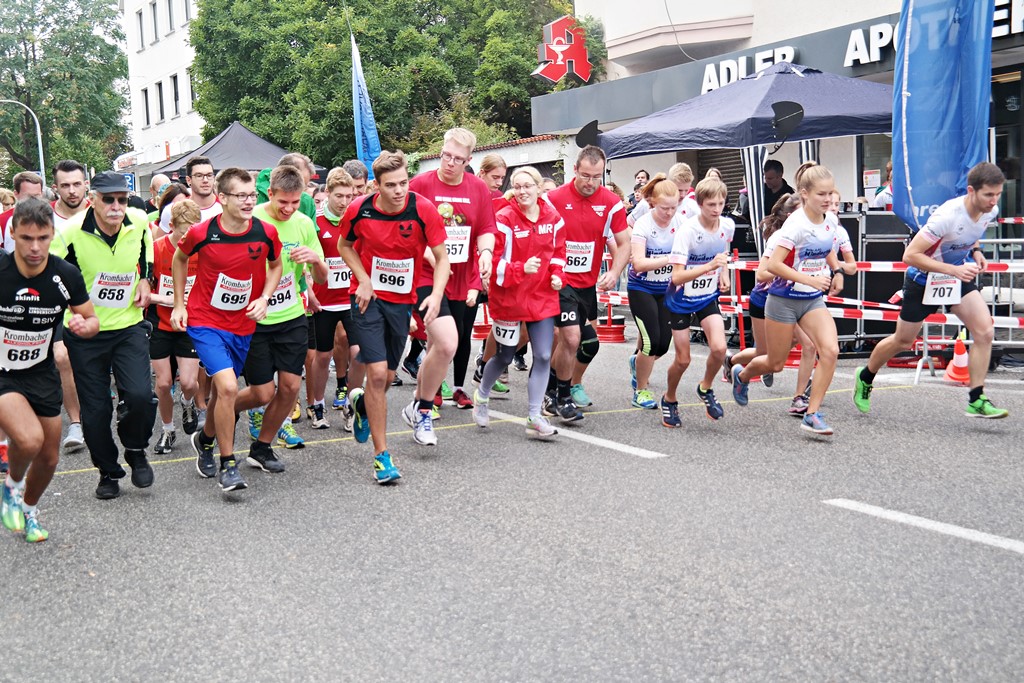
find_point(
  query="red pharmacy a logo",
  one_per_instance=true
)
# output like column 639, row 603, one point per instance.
column 563, row 51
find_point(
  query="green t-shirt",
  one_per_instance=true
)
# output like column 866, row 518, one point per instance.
column 297, row 231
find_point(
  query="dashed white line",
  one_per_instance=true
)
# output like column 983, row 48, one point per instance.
column 586, row 438
column 931, row 525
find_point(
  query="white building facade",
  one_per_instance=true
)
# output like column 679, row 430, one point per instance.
column 164, row 122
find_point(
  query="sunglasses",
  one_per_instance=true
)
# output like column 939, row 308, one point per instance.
column 109, row 199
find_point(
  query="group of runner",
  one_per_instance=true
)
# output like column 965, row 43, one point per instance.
column 269, row 292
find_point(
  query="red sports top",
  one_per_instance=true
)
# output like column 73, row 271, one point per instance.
column 467, row 213
column 333, row 295
column 514, row 295
column 391, row 246
column 589, row 222
column 231, row 272
column 163, row 255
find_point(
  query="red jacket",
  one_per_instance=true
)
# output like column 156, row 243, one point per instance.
column 514, row 294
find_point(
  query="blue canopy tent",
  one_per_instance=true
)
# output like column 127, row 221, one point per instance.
column 741, row 115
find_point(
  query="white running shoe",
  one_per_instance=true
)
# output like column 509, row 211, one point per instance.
column 481, row 414
column 75, row 438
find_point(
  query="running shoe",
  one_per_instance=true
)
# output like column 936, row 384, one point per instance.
column 348, row 416
column 297, row 412
column 189, row 416
column 287, row 437
column 539, row 428
column 166, row 443
column 230, row 479
column 75, row 438
column 261, row 455
column 568, row 411
column 739, row 387
column 4, row 466
column 500, row 388
column 670, row 414
column 580, row 396
column 481, row 414
column 643, row 398
column 462, row 400
column 360, row 425
column 423, row 432
column 711, row 404
column 861, row 392
column 309, row 412
column 108, row 488
column 768, row 379
column 632, row 371
column 411, row 367
column 255, row 423
column 435, row 414
column 384, row 469
column 478, row 371
column 33, row 532
column 983, row 408
column 397, row 381
column 10, row 509
column 446, row 390
column 200, row 419
column 550, row 406
column 340, row 399
column 438, row 399
column 815, row 422
column 503, row 377
column 318, row 420
column 409, row 413
column 206, row 465
column 727, row 368
column 519, row 363
column 798, row 408
column 142, row 471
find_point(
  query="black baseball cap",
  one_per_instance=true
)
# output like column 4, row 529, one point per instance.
column 109, row 181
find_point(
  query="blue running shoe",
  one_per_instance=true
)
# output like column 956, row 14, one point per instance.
column 711, row 404
column 255, row 423
column 287, row 437
column 643, row 398
column 815, row 422
column 670, row 414
column 384, row 470
column 739, row 387
column 360, row 425
column 340, row 399
column 632, row 371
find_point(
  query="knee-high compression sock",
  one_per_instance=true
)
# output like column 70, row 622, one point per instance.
column 589, row 345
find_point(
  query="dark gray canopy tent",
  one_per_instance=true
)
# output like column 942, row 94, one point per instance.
column 236, row 145
column 740, row 115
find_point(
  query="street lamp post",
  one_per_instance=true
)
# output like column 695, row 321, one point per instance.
column 39, row 136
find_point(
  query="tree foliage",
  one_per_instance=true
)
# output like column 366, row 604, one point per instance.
column 63, row 61
column 284, row 69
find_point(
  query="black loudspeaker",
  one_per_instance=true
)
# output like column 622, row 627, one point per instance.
column 882, row 243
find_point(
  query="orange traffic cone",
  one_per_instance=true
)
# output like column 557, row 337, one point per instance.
column 957, row 370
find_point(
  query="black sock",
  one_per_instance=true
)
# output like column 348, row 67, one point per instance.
column 426, row 404
column 563, row 388
column 342, row 382
column 225, row 459
column 205, row 440
column 976, row 393
column 552, row 382
column 866, row 375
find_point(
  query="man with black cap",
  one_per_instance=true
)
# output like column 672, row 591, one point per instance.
column 110, row 244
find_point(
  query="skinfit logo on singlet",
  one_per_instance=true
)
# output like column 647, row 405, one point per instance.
column 26, row 294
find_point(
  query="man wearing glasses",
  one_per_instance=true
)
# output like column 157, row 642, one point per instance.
column 111, row 245
column 464, row 202
column 199, row 176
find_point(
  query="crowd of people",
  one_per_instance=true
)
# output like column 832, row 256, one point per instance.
column 271, row 279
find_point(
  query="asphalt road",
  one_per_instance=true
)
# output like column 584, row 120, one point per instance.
column 706, row 553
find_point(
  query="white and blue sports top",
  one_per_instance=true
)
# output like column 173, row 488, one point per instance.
column 952, row 233
column 696, row 246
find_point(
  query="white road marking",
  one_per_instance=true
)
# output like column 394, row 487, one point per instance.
column 586, row 438
column 931, row 525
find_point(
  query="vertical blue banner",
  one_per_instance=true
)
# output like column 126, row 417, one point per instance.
column 367, row 142
column 941, row 92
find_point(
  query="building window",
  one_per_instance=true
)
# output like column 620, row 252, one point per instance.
column 192, row 89
column 142, row 30
column 145, row 107
column 160, row 101
column 174, row 94
column 156, row 24
column 170, row 16
column 188, row 11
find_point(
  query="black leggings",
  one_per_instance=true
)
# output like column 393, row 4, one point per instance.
column 651, row 316
column 464, row 317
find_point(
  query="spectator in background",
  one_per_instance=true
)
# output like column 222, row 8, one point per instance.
column 547, row 184
column 713, row 173
column 774, row 184
column 360, row 175
column 641, row 178
column 883, row 195
column 156, row 188
column 492, row 171
column 6, row 199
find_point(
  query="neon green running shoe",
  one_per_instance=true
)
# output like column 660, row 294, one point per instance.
column 33, row 532
column 982, row 408
column 446, row 391
column 435, row 414
column 10, row 509
column 255, row 423
column 500, row 388
column 862, row 392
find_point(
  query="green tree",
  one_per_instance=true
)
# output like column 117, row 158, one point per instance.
column 63, row 61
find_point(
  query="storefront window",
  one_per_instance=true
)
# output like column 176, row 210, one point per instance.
column 1005, row 117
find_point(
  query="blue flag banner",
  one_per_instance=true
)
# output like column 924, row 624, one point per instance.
column 941, row 92
column 367, row 142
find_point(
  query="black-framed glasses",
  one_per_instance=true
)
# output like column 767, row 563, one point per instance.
column 110, row 199
column 448, row 156
column 201, row 176
column 242, row 196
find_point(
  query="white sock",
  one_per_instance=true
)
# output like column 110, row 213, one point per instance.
column 29, row 510
column 168, row 426
column 319, row 403
column 15, row 485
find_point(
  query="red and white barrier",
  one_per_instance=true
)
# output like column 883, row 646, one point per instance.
column 896, row 266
